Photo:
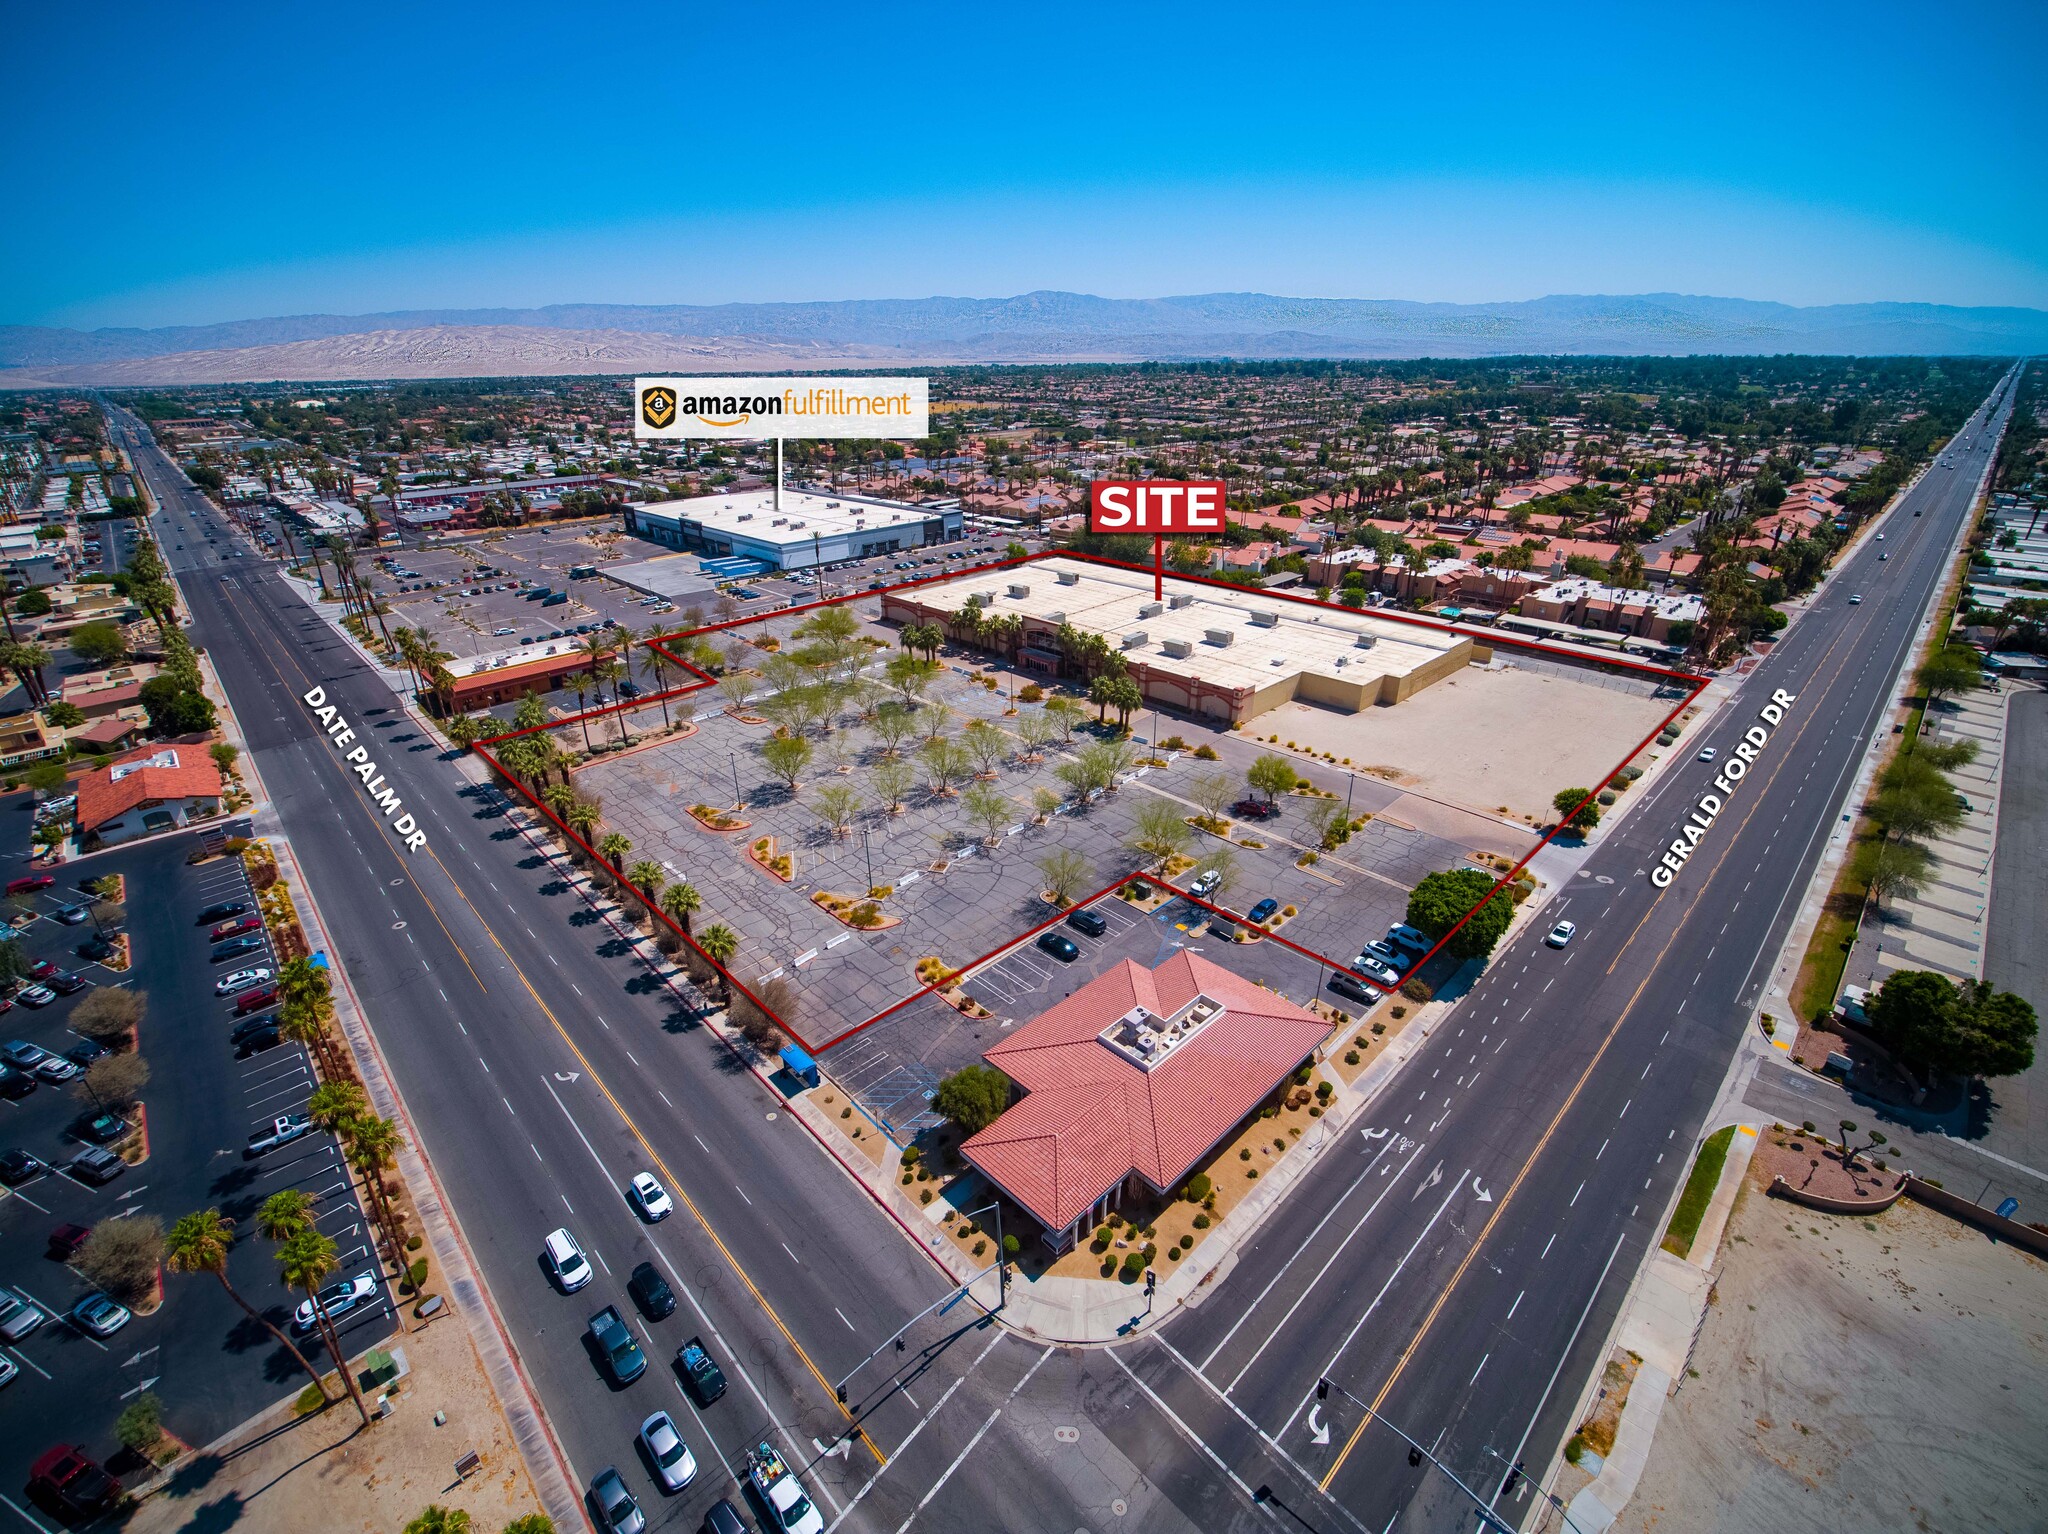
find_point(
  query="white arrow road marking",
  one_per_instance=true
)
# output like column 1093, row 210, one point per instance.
column 1374, row 1134
column 1484, row 1196
column 839, row 1451
column 567, row 1075
column 1319, row 1432
column 142, row 1387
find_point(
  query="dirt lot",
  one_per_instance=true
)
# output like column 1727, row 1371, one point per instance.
column 1869, row 1374
column 1488, row 736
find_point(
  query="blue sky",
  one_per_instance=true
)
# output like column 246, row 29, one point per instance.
column 172, row 164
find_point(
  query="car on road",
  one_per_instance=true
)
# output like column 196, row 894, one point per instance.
column 241, row 980
column 279, row 1132
column 1094, row 923
column 565, row 1259
column 335, row 1300
column 95, row 1165
column 66, row 1240
column 64, row 1478
column 1855, row 601
column 623, row 1360
column 101, row 1128
column 101, row 1314
column 723, row 1518
column 650, row 1197
column 1887, row 554
column 235, row 948
column 221, row 910
column 18, row 1316
column 651, row 1292
column 235, row 927
column 1561, row 934
column 1262, row 910
column 617, row 1512
column 1376, row 968
column 17, row 1166
column 1061, row 948
column 674, row 1467
column 1880, row 537
column 1708, row 753
column 22, row 1055
column 700, row 1372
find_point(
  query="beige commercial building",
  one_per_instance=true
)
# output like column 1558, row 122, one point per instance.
column 1205, row 649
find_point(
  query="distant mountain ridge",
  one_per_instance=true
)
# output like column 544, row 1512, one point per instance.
column 1030, row 327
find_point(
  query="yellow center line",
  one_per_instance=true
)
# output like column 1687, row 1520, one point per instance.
column 1443, row 1298
column 617, row 1107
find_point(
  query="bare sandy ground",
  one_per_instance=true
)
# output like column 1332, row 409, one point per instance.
column 1874, row 1375
column 1483, row 738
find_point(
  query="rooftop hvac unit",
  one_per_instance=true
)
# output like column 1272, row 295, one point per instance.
column 1181, row 599
column 986, row 597
column 746, row 516
column 1067, row 577
column 1364, row 642
column 830, row 504
column 1019, row 590
column 1179, row 649
column 1262, row 620
column 1151, row 609
column 1218, row 637
column 1135, row 639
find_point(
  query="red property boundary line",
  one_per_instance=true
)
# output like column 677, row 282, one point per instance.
column 660, row 645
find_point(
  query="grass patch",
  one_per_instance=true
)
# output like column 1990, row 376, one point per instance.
column 310, row 1400
column 1699, row 1192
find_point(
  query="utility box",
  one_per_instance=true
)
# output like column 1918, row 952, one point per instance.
column 1068, row 577
column 1179, row 649
column 1181, row 599
column 1134, row 640
column 1151, row 609
column 1262, row 620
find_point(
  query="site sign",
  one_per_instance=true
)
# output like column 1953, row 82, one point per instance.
column 756, row 408
column 1156, row 506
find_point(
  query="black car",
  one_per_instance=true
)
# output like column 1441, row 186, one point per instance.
column 1060, row 948
column 233, row 948
column 1094, row 923
column 252, row 1025
column 14, row 1083
column 64, row 982
column 96, row 949
column 724, row 1518
column 256, row 1041
column 18, row 1166
column 101, row 1128
column 222, row 912
column 651, row 1292
column 85, row 1051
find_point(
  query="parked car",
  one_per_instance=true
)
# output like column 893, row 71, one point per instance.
column 42, row 969
column 95, row 1165
column 706, row 1381
column 335, row 1300
column 37, row 996
column 1408, row 937
column 674, row 1467
column 1262, row 910
column 1061, row 948
column 1206, row 882
column 236, row 927
column 66, row 1240
column 241, row 980
column 56, row 1068
column 7, row 1370
column 623, row 1360
column 14, row 1083
column 64, row 1478
column 101, row 1314
column 280, row 1131
column 17, row 1166
column 221, row 910
column 617, row 1512
column 650, row 1197
column 1377, row 969
column 1561, row 934
column 1386, row 954
column 651, row 1292
column 64, row 982
column 85, row 1051
column 565, row 1259
column 723, row 1518
column 1344, row 983
column 235, row 948
column 22, row 1055
column 1254, row 809
column 1094, row 923
column 18, row 1316
column 101, row 1128
column 72, row 915
column 256, row 1001
column 28, row 884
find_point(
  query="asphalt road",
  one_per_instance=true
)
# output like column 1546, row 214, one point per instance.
column 542, row 1069
column 1459, row 1262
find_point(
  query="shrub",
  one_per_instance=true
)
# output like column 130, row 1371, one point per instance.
column 980, row 1247
column 121, row 1255
column 910, row 1155
column 1133, row 1266
column 1397, row 1013
column 1109, row 1267
column 925, row 1196
column 1351, row 1057
column 1252, row 1173
column 1201, row 1222
column 141, row 1425
column 1245, row 1154
column 1030, row 692
column 1011, row 1246
column 1197, row 1188
column 1379, row 1028
column 414, row 1243
column 1150, row 1250
column 1205, row 753
column 1101, row 1242
column 1415, row 990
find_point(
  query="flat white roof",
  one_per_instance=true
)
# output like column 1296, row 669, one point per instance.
column 751, row 515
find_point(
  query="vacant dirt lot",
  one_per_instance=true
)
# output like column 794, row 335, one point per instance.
column 1868, row 1374
column 1486, row 737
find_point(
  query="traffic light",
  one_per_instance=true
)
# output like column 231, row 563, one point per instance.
column 840, row 1391
column 1151, row 1281
column 1322, row 1390
column 1414, row 1455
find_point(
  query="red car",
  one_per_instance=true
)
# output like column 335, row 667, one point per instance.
column 227, row 929
column 29, row 884
column 255, row 1001
column 42, row 969
column 74, row 1484
column 65, row 1241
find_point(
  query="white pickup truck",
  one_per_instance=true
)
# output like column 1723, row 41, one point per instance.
column 781, row 1493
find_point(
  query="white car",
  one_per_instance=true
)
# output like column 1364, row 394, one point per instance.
column 673, row 1465
column 1708, row 753
column 566, row 1260
column 101, row 1315
column 241, row 980
column 1561, row 934
column 651, row 1198
column 1379, row 969
column 1206, row 882
column 18, row 1317
column 337, row 1299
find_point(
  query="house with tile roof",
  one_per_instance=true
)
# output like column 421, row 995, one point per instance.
column 1130, row 1082
column 148, row 791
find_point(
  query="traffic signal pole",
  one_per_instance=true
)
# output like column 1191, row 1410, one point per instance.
column 1488, row 1518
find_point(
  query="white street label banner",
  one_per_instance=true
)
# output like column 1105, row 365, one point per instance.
column 671, row 408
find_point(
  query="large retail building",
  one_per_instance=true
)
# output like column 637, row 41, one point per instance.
column 805, row 529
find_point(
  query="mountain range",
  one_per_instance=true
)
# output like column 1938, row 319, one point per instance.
column 1037, row 327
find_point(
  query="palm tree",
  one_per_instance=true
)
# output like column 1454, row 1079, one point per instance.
column 654, row 666
column 373, row 1151
column 558, row 797
column 308, row 1259
column 614, row 847
column 199, row 1243
column 583, row 817
column 336, row 1105
column 440, row 1520
column 720, row 943
column 680, row 901
column 301, row 1023
column 578, row 682
column 598, row 648
column 646, row 876
column 284, row 1214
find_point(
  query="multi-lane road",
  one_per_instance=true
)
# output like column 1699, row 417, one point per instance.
column 1457, row 1260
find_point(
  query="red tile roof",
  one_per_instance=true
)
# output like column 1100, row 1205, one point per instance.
column 158, row 772
column 1090, row 1116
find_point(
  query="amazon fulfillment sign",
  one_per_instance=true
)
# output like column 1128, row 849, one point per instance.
column 756, row 408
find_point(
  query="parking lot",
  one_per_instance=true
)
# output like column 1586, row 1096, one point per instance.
column 198, row 1353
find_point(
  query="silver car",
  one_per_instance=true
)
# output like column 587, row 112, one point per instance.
column 673, row 1465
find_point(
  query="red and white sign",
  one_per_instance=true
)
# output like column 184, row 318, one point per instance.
column 1156, row 506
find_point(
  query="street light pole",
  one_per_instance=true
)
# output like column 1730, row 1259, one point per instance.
column 1417, row 1453
column 1002, row 1257
column 738, row 799
column 870, row 857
